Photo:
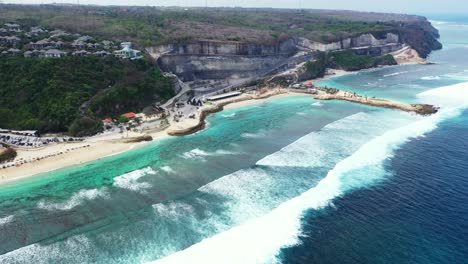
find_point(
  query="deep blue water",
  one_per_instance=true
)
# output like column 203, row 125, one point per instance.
column 420, row 215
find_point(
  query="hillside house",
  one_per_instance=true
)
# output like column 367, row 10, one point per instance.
column 80, row 53
column 107, row 44
column 13, row 27
column 10, row 40
column 34, row 54
column 54, row 53
column 37, row 30
column 102, row 53
column 127, row 52
column 45, row 44
column 79, row 45
column 93, row 45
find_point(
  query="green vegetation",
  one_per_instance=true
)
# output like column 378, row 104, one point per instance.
column 73, row 94
column 318, row 67
column 150, row 25
column 7, row 154
column 348, row 60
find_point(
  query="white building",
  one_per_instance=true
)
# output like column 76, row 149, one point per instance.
column 54, row 53
column 127, row 52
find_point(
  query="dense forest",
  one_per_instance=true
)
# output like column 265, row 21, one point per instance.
column 349, row 61
column 73, row 94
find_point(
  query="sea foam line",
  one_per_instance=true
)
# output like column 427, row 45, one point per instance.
column 259, row 240
column 75, row 200
column 130, row 180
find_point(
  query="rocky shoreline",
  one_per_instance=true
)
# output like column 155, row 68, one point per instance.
column 335, row 94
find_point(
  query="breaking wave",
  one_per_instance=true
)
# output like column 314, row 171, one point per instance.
column 75, row 200
column 437, row 22
column 6, row 220
column 200, row 154
column 173, row 209
column 430, row 78
column 318, row 104
column 348, row 134
column 282, row 226
column 395, row 74
column 260, row 134
column 229, row 115
column 167, row 169
column 130, row 180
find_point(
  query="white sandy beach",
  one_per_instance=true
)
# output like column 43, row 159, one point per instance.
column 98, row 147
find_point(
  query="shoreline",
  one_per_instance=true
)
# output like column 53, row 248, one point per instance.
column 104, row 146
column 100, row 147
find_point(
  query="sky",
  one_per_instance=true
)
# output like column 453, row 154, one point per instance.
column 397, row 6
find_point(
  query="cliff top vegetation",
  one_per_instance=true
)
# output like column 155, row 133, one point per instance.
column 151, row 25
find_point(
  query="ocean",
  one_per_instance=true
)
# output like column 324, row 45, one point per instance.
column 289, row 180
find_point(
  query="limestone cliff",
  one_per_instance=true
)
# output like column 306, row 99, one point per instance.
column 218, row 59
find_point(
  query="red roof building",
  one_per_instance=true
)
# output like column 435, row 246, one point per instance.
column 107, row 120
column 129, row 115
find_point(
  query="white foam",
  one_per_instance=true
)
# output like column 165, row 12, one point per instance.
column 173, row 209
column 260, row 134
column 301, row 113
column 75, row 200
column 6, row 220
column 430, row 78
column 395, row 74
column 225, row 152
column 461, row 76
column 167, row 169
column 316, row 148
column 436, row 22
column 201, row 154
column 453, row 96
column 229, row 115
column 195, row 153
column 318, row 104
column 259, row 240
column 130, row 180
column 39, row 253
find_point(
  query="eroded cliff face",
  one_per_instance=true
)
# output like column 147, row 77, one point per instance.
column 361, row 41
column 211, row 59
column 209, row 67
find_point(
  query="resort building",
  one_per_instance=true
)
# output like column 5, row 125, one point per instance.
column 55, row 53
column 10, row 40
column 223, row 96
column 102, row 53
column 13, row 27
column 127, row 52
column 80, row 53
column 45, row 44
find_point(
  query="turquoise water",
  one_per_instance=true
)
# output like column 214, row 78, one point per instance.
column 238, row 191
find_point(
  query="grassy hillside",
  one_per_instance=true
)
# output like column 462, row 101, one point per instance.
column 46, row 94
